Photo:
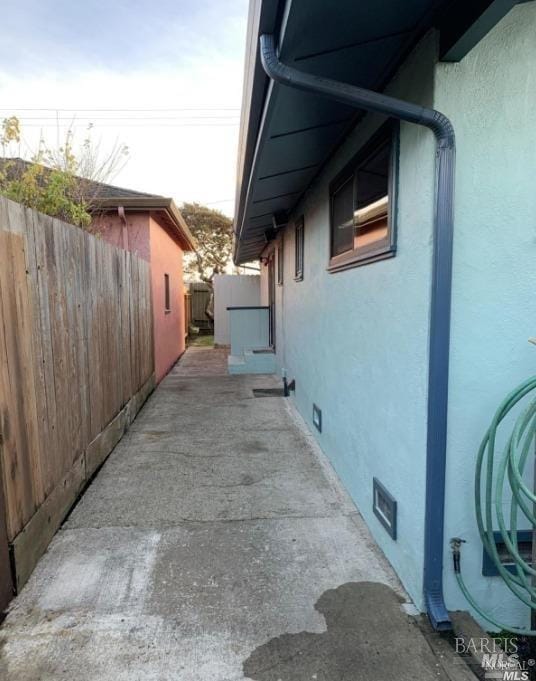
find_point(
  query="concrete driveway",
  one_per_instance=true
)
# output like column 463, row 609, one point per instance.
column 214, row 545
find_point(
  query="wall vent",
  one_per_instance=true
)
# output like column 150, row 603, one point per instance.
column 268, row 392
column 317, row 418
column 384, row 507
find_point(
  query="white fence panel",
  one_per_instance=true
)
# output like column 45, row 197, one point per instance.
column 232, row 290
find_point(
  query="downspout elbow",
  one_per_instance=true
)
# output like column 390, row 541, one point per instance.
column 442, row 128
column 355, row 96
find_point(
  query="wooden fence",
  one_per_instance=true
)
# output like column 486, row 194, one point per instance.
column 199, row 297
column 76, row 363
column 187, row 313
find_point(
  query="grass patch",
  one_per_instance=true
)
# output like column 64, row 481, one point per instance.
column 202, row 342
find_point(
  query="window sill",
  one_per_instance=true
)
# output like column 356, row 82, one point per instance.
column 299, row 278
column 350, row 260
column 167, row 311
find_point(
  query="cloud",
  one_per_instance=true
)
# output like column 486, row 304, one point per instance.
column 123, row 34
column 134, row 55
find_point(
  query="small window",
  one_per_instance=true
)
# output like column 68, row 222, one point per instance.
column 299, row 229
column 280, row 263
column 167, row 296
column 524, row 546
column 362, row 201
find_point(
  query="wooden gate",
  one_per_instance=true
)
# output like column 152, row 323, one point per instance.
column 199, row 297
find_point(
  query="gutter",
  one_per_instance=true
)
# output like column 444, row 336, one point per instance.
column 439, row 342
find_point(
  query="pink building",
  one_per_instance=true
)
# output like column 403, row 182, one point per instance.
column 152, row 227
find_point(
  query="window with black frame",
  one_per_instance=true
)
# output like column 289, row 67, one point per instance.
column 167, row 294
column 280, row 262
column 299, row 247
column 362, row 201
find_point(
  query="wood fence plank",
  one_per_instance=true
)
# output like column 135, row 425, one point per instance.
column 76, row 350
column 17, row 462
column 45, row 352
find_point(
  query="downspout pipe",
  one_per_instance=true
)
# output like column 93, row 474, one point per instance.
column 438, row 371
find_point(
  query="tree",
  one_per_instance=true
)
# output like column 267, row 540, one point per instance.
column 62, row 181
column 214, row 234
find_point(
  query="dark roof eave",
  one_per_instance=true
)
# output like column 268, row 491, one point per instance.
column 154, row 203
column 263, row 17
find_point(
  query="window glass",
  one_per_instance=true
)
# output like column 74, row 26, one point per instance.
column 343, row 214
column 167, row 296
column 299, row 250
column 280, row 262
column 362, row 202
column 371, row 216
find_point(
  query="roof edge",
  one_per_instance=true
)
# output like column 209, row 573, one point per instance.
column 263, row 16
column 156, row 203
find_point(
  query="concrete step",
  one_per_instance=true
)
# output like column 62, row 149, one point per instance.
column 258, row 361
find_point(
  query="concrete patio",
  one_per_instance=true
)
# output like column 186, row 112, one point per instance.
column 215, row 544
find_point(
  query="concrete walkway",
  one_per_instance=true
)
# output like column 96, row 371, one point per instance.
column 214, row 545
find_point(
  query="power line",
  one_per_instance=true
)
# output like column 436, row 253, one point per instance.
column 139, row 125
column 128, row 118
column 129, row 110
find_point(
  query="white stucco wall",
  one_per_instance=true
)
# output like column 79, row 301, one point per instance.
column 232, row 290
column 357, row 341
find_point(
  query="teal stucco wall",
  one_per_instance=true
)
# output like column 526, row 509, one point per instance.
column 357, row 341
column 491, row 98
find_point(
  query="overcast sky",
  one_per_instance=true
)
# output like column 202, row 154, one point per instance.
column 170, row 71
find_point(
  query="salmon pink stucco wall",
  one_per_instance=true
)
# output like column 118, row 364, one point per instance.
column 169, row 328
column 112, row 228
column 147, row 238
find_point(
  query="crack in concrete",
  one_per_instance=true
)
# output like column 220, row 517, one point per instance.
column 223, row 521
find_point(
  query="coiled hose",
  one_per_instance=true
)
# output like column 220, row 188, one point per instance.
column 509, row 470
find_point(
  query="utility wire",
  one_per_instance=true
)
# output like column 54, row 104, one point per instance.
column 130, row 110
column 126, row 118
column 137, row 125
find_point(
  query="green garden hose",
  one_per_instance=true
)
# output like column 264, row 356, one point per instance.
column 508, row 470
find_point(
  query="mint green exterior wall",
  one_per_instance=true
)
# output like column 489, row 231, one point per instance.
column 248, row 329
column 491, row 98
column 357, row 341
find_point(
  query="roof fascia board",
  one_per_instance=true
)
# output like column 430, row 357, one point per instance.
column 263, row 16
column 269, row 106
column 466, row 24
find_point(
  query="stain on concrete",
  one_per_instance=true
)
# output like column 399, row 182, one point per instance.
column 368, row 637
column 254, row 446
column 154, row 434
